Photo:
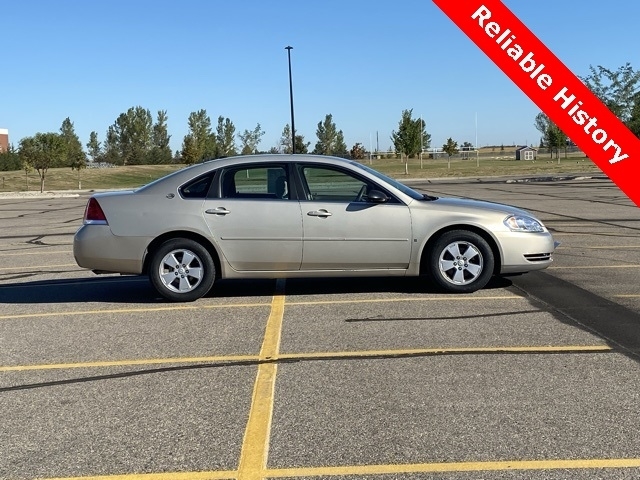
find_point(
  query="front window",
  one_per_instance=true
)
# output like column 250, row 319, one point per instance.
column 330, row 185
column 394, row 183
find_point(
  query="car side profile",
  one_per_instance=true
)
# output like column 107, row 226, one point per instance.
column 278, row 216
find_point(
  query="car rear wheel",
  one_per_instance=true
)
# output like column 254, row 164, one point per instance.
column 461, row 261
column 182, row 270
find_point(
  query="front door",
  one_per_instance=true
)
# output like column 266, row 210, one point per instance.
column 343, row 231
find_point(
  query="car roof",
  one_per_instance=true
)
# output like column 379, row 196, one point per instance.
column 185, row 174
column 180, row 177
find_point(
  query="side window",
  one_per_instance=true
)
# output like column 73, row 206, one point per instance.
column 196, row 188
column 326, row 184
column 255, row 182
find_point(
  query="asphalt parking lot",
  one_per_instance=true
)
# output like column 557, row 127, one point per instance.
column 534, row 377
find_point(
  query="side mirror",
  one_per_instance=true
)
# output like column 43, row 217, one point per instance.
column 376, row 196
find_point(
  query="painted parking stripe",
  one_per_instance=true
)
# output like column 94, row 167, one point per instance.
column 255, row 445
column 31, row 267
column 172, row 308
column 212, row 475
column 274, row 358
column 587, row 267
column 456, row 467
column 251, row 305
column 20, row 254
column 606, row 247
column 451, row 298
column 444, row 467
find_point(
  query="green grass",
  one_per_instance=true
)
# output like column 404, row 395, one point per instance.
column 136, row 176
column 90, row 178
column 483, row 167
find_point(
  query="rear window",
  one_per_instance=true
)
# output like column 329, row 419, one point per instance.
column 197, row 188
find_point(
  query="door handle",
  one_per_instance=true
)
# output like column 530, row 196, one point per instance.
column 217, row 211
column 319, row 213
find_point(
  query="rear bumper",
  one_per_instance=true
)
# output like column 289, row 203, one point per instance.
column 95, row 247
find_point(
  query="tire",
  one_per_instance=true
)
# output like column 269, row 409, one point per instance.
column 461, row 262
column 182, row 270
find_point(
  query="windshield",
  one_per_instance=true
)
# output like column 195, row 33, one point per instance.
column 403, row 188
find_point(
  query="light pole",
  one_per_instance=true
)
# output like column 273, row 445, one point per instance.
column 293, row 125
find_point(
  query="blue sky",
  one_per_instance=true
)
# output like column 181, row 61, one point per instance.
column 363, row 62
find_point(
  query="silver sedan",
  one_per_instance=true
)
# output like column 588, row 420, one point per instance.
column 273, row 216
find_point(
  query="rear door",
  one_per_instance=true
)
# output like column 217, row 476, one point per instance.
column 254, row 219
column 343, row 230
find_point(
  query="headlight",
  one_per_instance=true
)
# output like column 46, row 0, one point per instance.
column 522, row 223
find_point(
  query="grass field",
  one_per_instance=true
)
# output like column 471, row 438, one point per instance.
column 136, row 176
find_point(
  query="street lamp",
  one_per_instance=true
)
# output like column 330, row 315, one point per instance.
column 293, row 125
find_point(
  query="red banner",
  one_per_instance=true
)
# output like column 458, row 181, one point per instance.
column 552, row 87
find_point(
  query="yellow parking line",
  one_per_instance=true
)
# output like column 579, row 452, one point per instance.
column 171, row 308
column 397, row 469
column 408, row 299
column 274, row 358
column 249, row 305
column 39, row 252
column 576, row 234
column 586, row 267
column 455, row 467
column 445, row 351
column 630, row 295
column 29, row 267
column 132, row 362
column 255, row 445
column 221, row 475
column 605, row 247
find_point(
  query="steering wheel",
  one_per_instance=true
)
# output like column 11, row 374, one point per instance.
column 361, row 193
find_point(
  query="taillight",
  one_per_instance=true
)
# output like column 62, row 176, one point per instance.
column 93, row 214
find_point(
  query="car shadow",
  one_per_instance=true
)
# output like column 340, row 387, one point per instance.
column 134, row 289
column 408, row 285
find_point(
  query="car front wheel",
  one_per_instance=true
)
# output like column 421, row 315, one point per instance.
column 461, row 262
column 182, row 270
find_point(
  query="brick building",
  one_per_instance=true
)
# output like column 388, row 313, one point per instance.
column 4, row 140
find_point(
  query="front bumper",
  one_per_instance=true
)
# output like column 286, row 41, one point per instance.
column 524, row 252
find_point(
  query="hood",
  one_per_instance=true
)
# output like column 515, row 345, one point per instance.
column 464, row 203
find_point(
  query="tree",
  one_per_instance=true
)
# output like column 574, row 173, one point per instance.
column 41, row 152
column 617, row 90
column 552, row 136
column 10, row 160
column 200, row 142
column 160, row 152
column 225, row 137
column 450, row 148
column 634, row 120
column 75, row 156
column 357, row 152
column 330, row 139
column 112, row 147
column 93, row 146
column 411, row 137
column 285, row 145
column 133, row 133
column 249, row 140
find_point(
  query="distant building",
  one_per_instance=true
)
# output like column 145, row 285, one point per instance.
column 4, row 140
column 526, row 153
